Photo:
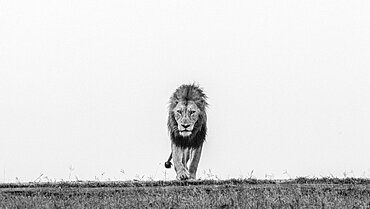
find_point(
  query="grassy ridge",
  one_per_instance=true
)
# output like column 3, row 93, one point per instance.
column 247, row 193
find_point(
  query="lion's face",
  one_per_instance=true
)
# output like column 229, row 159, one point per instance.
column 186, row 115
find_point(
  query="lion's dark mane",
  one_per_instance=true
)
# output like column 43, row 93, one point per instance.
column 188, row 93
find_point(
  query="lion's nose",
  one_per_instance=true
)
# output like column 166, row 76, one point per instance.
column 185, row 126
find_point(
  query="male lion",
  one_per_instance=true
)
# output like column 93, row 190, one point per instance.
column 187, row 126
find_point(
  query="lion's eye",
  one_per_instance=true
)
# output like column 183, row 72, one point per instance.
column 191, row 112
column 179, row 112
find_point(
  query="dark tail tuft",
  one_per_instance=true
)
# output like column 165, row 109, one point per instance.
column 168, row 163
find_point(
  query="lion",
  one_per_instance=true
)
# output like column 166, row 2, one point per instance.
column 187, row 126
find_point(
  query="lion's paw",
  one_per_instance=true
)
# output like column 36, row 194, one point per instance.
column 183, row 175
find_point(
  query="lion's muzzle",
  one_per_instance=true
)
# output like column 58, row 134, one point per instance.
column 185, row 129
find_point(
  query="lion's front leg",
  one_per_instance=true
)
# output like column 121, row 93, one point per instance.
column 194, row 161
column 179, row 160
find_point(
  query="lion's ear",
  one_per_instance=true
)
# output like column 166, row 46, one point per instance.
column 201, row 103
column 173, row 102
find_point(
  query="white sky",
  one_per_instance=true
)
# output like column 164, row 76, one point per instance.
column 85, row 84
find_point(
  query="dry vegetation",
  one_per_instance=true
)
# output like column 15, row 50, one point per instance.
column 246, row 193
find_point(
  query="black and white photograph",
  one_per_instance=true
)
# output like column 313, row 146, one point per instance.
column 184, row 104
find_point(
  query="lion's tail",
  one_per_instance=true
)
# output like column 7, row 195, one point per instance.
column 168, row 163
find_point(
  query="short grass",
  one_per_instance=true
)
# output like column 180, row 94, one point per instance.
column 234, row 193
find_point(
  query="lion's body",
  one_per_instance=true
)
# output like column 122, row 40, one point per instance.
column 187, row 124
